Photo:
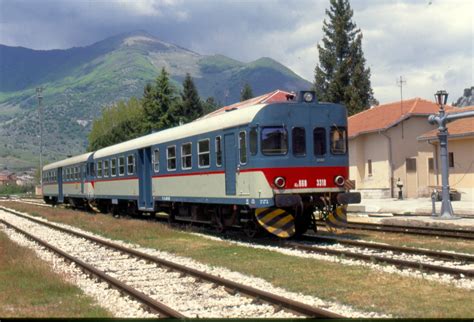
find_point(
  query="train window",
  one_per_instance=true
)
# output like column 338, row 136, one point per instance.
column 218, row 151
column 131, row 164
column 338, row 140
column 121, row 165
column 171, row 157
column 299, row 141
column 156, row 160
column 253, row 138
column 106, row 168
column 91, row 169
column 74, row 173
column 67, row 174
column 243, row 147
column 274, row 140
column 204, row 153
column 319, row 141
column 113, row 167
column 186, row 156
column 99, row 169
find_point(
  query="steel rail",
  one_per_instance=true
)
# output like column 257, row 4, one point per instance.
column 257, row 294
column 381, row 259
column 428, row 231
column 155, row 306
column 399, row 249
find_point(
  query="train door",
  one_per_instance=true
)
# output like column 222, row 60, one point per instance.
column 60, row 185
column 230, row 163
column 83, row 177
column 145, row 195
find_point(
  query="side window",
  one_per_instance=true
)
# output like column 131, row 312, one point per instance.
column 186, row 156
column 99, row 169
column 243, row 147
column 76, row 173
column 171, row 157
column 299, row 141
column 130, row 164
column 113, row 167
column 338, row 140
column 67, row 174
column 156, row 160
column 204, row 153
column 274, row 140
column 253, row 141
column 91, row 169
column 319, row 141
column 218, row 151
column 121, row 165
column 106, row 168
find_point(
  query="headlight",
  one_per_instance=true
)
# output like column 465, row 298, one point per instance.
column 280, row 182
column 339, row 180
column 308, row 97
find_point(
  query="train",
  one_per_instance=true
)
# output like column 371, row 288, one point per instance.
column 274, row 163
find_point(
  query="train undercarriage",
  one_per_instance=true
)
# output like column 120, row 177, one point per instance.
column 292, row 215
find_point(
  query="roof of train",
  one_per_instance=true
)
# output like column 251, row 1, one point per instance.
column 68, row 161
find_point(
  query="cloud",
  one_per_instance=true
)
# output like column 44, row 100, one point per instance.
column 430, row 43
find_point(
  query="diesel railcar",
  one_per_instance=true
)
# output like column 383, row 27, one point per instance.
column 266, row 163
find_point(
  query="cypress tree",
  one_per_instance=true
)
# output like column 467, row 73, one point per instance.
column 190, row 107
column 341, row 76
column 246, row 93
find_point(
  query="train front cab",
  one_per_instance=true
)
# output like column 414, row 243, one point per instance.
column 301, row 149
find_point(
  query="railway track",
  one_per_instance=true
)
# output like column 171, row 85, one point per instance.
column 121, row 276
column 387, row 254
column 428, row 231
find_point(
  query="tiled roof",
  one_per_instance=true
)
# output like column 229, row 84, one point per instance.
column 458, row 128
column 382, row 117
column 272, row 97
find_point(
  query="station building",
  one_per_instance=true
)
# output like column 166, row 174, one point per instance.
column 395, row 141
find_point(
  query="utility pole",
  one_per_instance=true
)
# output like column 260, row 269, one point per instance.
column 400, row 83
column 39, row 95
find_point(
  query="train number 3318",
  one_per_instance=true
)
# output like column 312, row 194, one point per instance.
column 320, row 182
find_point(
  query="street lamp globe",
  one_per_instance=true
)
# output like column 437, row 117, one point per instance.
column 441, row 97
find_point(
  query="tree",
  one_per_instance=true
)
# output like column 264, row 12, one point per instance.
column 190, row 106
column 341, row 76
column 210, row 105
column 246, row 93
column 158, row 102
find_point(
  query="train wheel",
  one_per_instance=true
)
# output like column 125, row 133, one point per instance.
column 303, row 222
column 252, row 229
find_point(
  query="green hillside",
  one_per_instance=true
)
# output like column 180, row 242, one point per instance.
column 79, row 82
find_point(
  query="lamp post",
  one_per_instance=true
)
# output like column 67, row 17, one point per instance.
column 442, row 119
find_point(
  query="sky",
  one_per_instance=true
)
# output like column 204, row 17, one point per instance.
column 427, row 42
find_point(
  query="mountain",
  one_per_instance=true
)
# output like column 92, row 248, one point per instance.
column 79, row 82
column 467, row 99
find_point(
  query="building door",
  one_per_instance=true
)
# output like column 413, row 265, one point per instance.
column 230, row 163
column 60, row 185
column 145, row 195
column 411, row 184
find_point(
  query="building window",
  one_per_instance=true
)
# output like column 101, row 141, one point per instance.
column 218, row 151
column 113, row 167
column 171, row 157
column 106, row 168
column 204, row 153
column 186, row 156
column 319, row 141
column 431, row 165
column 253, row 139
column 338, row 140
column 121, row 165
column 451, row 159
column 243, row 147
column 411, row 164
column 156, row 160
column 99, row 169
column 274, row 140
column 369, row 167
column 131, row 164
column 298, row 137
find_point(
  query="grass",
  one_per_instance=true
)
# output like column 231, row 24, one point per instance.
column 359, row 287
column 28, row 288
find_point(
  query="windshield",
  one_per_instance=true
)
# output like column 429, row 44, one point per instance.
column 274, row 140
